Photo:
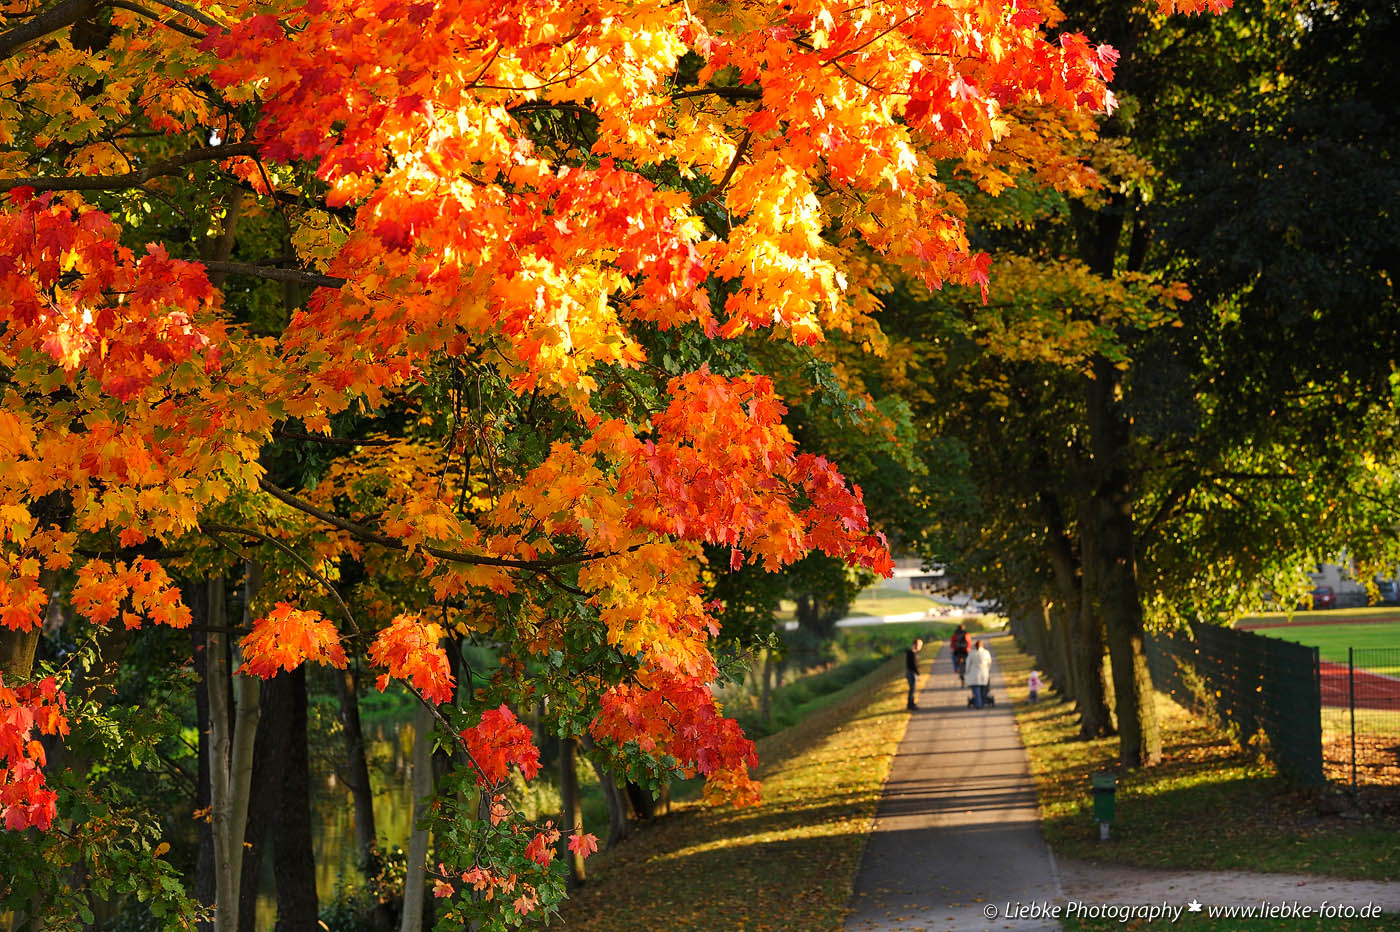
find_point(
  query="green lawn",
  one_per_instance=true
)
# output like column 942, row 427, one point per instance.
column 874, row 601
column 786, row 864
column 1333, row 640
column 1262, row 824
column 877, row 601
column 1386, row 612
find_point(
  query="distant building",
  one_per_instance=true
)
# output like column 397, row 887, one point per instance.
column 910, row 573
column 1350, row 592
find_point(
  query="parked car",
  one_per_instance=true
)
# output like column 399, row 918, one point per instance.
column 1388, row 591
column 1323, row 597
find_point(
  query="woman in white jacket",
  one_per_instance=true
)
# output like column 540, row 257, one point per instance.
column 979, row 672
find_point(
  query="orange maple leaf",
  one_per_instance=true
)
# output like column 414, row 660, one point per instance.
column 409, row 650
column 286, row 637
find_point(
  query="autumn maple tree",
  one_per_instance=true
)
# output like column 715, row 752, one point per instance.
column 454, row 244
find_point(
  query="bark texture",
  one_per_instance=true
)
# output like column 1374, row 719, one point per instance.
column 572, row 804
column 294, row 860
column 415, row 879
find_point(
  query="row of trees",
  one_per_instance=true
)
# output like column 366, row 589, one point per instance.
column 1181, row 392
column 350, row 333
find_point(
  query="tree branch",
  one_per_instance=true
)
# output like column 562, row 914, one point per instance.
column 1171, row 503
column 150, row 14
column 331, row 441
column 189, row 11
column 733, row 93
column 393, row 543
column 1230, row 493
column 529, row 106
column 72, row 11
column 729, row 172
column 875, row 38
column 60, row 17
column 1266, row 476
column 325, row 583
column 296, row 276
column 135, row 179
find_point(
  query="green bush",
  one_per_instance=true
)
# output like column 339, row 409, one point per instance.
column 350, row 910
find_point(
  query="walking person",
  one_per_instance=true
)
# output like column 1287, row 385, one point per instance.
column 979, row 673
column 958, row 644
column 911, row 668
column 1033, row 685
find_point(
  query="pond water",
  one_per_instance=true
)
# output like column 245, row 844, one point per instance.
column 389, row 747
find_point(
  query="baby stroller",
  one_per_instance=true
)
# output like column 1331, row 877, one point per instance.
column 987, row 700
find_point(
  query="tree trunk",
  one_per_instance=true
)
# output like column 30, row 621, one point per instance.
column 356, row 773
column 1038, row 622
column 1082, row 631
column 1024, row 624
column 294, row 859
column 197, row 598
column 642, row 802
column 270, row 749
column 231, row 763
column 805, row 611
column 356, row 777
column 765, row 696
column 1095, row 719
column 247, row 692
column 1116, row 591
column 1139, row 735
column 219, row 248
column 220, row 743
column 618, row 825
column 17, row 649
column 1061, row 624
column 415, row 878
column 442, row 765
column 445, row 759
column 1087, row 638
column 571, row 819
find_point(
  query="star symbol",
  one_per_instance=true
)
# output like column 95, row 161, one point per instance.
column 1194, row 906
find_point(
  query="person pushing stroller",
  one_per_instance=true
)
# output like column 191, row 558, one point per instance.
column 958, row 644
column 979, row 675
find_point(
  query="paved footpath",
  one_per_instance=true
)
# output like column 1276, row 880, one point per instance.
column 957, row 831
column 957, row 835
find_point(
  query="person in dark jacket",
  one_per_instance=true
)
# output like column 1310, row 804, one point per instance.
column 958, row 644
column 911, row 667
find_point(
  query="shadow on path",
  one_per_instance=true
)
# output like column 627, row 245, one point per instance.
column 957, row 842
column 958, row 830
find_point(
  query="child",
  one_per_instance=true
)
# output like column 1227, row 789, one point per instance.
column 1034, row 684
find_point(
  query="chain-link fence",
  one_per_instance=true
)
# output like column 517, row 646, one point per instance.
column 1251, row 685
column 1361, row 717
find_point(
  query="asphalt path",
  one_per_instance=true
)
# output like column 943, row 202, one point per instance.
column 957, row 846
column 956, row 843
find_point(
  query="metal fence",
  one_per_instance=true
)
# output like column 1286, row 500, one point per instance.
column 1251, row 685
column 1361, row 717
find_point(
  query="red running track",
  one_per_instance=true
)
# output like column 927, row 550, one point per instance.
column 1373, row 691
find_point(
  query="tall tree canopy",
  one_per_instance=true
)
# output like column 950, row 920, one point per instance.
column 1180, row 396
column 435, row 301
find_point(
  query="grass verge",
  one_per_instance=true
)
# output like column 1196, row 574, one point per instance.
column 789, row 862
column 856, row 651
column 1208, row 806
column 878, row 601
column 1333, row 640
column 1330, row 616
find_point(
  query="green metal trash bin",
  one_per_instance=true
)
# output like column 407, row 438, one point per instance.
column 1105, row 788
